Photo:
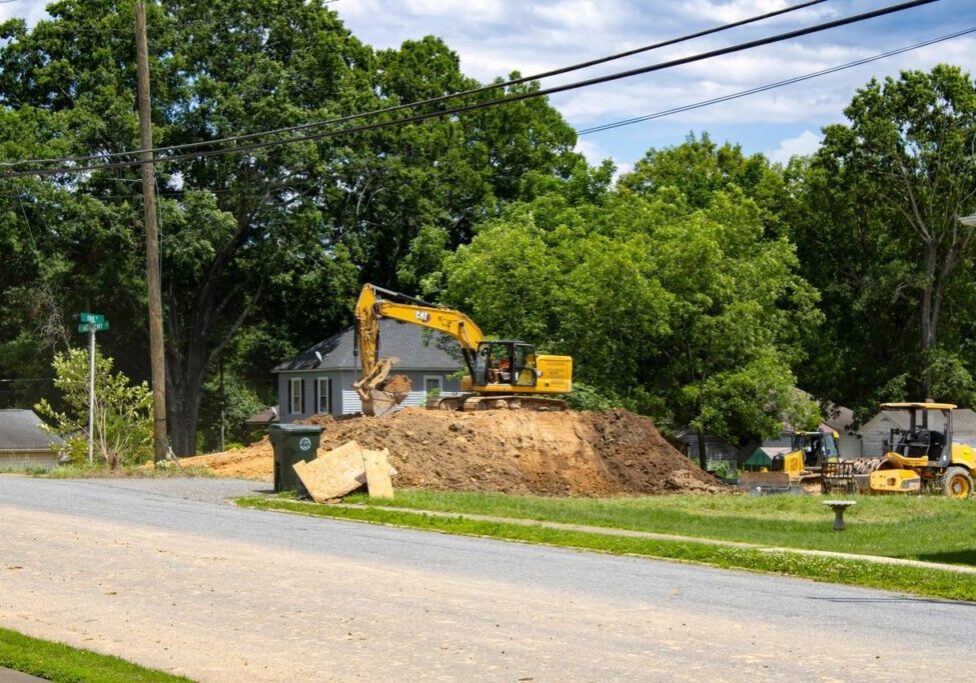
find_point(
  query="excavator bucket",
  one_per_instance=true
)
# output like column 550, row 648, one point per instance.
column 379, row 393
column 380, row 403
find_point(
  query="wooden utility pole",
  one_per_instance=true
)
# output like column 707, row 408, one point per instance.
column 157, row 357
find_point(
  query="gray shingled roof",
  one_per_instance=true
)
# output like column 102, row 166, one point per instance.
column 20, row 430
column 407, row 342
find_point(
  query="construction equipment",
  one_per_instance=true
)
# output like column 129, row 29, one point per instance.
column 501, row 373
column 808, row 454
column 925, row 455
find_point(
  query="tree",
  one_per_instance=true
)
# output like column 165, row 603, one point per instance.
column 122, row 414
column 689, row 311
column 879, row 210
column 274, row 241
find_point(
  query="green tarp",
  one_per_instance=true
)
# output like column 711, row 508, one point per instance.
column 757, row 460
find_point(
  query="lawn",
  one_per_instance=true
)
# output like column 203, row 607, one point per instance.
column 927, row 528
column 60, row 662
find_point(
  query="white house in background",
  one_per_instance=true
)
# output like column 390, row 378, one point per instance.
column 840, row 419
column 24, row 443
column 319, row 380
column 876, row 431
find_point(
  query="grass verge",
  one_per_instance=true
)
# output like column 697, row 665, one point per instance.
column 102, row 472
column 60, row 662
column 927, row 582
column 926, row 528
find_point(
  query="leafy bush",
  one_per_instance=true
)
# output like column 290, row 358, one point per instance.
column 123, row 412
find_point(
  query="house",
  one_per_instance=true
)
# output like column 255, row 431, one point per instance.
column 257, row 424
column 24, row 443
column 876, row 431
column 319, row 380
column 716, row 449
column 841, row 420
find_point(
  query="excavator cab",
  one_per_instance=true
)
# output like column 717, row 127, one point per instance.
column 505, row 362
column 816, row 447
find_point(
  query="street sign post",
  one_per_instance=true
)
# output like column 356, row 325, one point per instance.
column 91, row 323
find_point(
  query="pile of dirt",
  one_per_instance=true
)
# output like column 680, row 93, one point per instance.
column 511, row 451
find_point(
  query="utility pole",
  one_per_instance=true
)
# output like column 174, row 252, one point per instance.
column 157, row 357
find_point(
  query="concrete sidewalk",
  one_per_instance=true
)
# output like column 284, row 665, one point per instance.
column 609, row 531
column 11, row 676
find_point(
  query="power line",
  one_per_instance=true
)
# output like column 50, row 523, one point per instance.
column 434, row 100
column 770, row 86
column 512, row 98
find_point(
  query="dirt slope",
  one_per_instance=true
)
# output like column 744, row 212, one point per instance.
column 558, row 453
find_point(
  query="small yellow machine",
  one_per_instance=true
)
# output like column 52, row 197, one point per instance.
column 925, row 454
column 803, row 463
column 501, row 373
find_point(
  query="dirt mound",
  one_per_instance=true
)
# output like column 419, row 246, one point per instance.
column 553, row 453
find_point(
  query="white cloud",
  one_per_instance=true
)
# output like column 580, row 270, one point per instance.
column 806, row 142
column 595, row 156
column 30, row 10
column 737, row 10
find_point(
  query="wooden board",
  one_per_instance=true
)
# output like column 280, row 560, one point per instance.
column 340, row 451
column 334, row 473
column 378, row 473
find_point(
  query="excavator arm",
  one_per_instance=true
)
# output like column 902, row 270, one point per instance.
column 375, row 303
column 506, row 371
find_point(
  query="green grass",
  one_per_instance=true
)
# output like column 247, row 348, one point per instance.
column 926, row 582
column 133, row 471
column 928, row 528
column 60, row 662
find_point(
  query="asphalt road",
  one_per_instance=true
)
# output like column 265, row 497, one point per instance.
column 162, row 573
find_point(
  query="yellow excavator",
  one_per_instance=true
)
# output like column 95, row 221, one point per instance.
column 501, row 373
column 925, row 454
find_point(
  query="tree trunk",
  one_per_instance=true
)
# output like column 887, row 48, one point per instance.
column 187, row 373
column 929, row 317
column 702, row 455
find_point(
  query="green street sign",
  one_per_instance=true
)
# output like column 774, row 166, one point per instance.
column 97, row 326
column 91, row 318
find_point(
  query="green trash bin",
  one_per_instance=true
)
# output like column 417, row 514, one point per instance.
column 292, row 443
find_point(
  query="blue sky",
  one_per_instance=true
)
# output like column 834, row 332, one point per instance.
column 495, row 37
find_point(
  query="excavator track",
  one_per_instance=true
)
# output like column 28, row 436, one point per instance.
column 475, row 402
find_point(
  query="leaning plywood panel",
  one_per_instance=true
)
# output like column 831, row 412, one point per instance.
column 333, row 474
column 378, row 473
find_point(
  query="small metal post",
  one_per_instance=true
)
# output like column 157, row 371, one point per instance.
column 91, row 392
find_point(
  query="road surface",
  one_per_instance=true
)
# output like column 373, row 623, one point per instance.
column 163, row 573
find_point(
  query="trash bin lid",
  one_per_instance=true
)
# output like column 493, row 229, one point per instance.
column 299, row 429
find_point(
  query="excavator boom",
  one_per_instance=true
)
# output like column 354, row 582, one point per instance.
column 507, row 372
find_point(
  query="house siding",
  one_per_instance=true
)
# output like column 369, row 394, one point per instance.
column 873, row 435
column 22, row 459
column 345, row 400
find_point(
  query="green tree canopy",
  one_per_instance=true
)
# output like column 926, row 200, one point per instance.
column 262, row 251
column 877, row 220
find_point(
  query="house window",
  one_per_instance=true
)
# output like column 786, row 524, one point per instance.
column 433, row 384
column 297, row 396
column 323, row 395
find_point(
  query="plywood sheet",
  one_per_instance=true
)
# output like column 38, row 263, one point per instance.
column 378, row 473
column 333, row 474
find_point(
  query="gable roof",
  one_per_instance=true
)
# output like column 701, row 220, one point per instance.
column 20, row 430
column 963, row 419
column 407, row 342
